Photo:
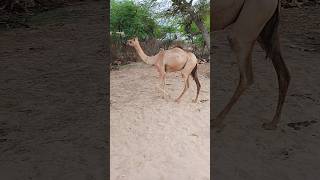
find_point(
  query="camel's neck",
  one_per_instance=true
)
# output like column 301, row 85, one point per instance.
column 144, row 57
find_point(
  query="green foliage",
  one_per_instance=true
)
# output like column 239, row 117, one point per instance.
column 189, row 29
column 189, row 12
column 149, row 19
column 133, row 19
column 140, row 19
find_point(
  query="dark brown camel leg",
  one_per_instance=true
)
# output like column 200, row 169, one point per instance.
column 194, row 75
column 283, row 81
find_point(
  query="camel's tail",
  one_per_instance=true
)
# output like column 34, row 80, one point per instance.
column 268, row 38
column 194, row 74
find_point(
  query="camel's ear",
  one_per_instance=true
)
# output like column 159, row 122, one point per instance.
column 135, row 39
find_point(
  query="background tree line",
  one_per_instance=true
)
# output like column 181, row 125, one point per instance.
column 159, row 24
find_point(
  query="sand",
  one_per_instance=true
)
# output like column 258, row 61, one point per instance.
column 53, row 96
column 154, row 138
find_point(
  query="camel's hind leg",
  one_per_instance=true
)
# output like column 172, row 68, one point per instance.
column 283, row 80
column 245, row 31
column 269, row 41
column 243, row 53
column 185, row 75
column 194, row 74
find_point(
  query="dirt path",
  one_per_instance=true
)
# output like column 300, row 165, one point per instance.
column 243, row 150
column 152, row 138
column 52, row 103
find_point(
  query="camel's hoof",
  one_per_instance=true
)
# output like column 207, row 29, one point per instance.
column 194, row 101
column 269, row 126
column 177, row 100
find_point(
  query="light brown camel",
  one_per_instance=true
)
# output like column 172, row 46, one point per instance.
column 172, row 60
column 251, row 21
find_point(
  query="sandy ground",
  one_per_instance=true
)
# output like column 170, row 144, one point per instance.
column 153, row 138
column 52, row 96
column 243, row 150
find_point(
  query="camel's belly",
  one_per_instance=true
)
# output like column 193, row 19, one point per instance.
column 175, row 65
column 175, row 61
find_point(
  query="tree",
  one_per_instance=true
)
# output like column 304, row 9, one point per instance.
column 193, row 13
column 133, row 20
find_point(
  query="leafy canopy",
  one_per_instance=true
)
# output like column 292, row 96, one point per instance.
column 133, row 19
column 159, row 19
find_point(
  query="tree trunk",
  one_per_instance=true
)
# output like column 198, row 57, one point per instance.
column 202, row 28
column 186, row 8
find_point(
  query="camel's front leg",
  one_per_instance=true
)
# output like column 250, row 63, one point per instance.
column 161, row 79
column 162, row 86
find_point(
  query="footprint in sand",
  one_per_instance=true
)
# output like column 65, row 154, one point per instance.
column 298, row 125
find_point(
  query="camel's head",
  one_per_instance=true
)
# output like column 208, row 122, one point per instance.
column 133, row 42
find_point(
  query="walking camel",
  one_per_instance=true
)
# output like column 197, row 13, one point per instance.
column 251, row 21
column 172, row 60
